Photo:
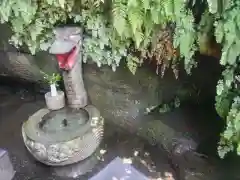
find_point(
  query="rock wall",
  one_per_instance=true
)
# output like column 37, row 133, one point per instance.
column 120, row 95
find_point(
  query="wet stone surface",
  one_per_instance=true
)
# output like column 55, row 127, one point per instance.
column 17, row 103
column 151, row 161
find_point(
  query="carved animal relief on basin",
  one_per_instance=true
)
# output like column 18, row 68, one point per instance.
column 63, row 137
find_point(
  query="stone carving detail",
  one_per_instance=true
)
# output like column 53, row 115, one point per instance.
column 67, row 152
column 74, row 85
column 38, row 149
column 68, row 49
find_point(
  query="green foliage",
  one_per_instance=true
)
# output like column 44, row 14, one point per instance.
column 51, row 79
column 32, row 21
column 114, row 30
column 167, row 107
column 228, row 93
column 133, row 31
column 139, row 20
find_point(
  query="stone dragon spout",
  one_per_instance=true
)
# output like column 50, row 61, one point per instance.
column 67, row 48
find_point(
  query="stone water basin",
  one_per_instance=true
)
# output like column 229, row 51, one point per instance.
column 150, row 160
column 64, row 136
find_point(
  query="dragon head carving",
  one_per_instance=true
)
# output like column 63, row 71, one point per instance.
column 66, row 46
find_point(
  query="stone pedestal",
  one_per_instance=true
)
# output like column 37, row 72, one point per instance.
column 6, row 169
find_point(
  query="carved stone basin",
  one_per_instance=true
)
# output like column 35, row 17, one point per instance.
column 64, row 136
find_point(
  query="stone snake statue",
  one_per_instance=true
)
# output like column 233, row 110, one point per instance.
column 71, row 134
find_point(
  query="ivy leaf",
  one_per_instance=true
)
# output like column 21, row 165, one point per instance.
column 219, row 31
column 233, row 53
column 6, row 10
column 102, row 45
column 78, row 18
column 118, row 59
column 238, row 149
column 133, row 3
column 119, row 17
column 32, row 48
column 220, row 87
column 50, row 2
column 44, row 46
column 139, row 36
column 213, row 6
column 169, row 7
column 155, row 15
column 17, row 25
column 146, row 4
column 119, row 24
column 62, row 3
column 132, row 63
column 223, row 60
column 135, row 16
column 228, row 133
column 237, row 122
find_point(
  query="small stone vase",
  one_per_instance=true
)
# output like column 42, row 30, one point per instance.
column 55, row 102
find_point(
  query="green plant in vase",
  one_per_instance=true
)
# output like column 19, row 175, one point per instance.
column 54, row 99
column 52, row 80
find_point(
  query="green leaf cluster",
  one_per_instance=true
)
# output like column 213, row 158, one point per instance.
column 32, row 21
column 51, row 79
column 114, row 30
column 227, row 31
